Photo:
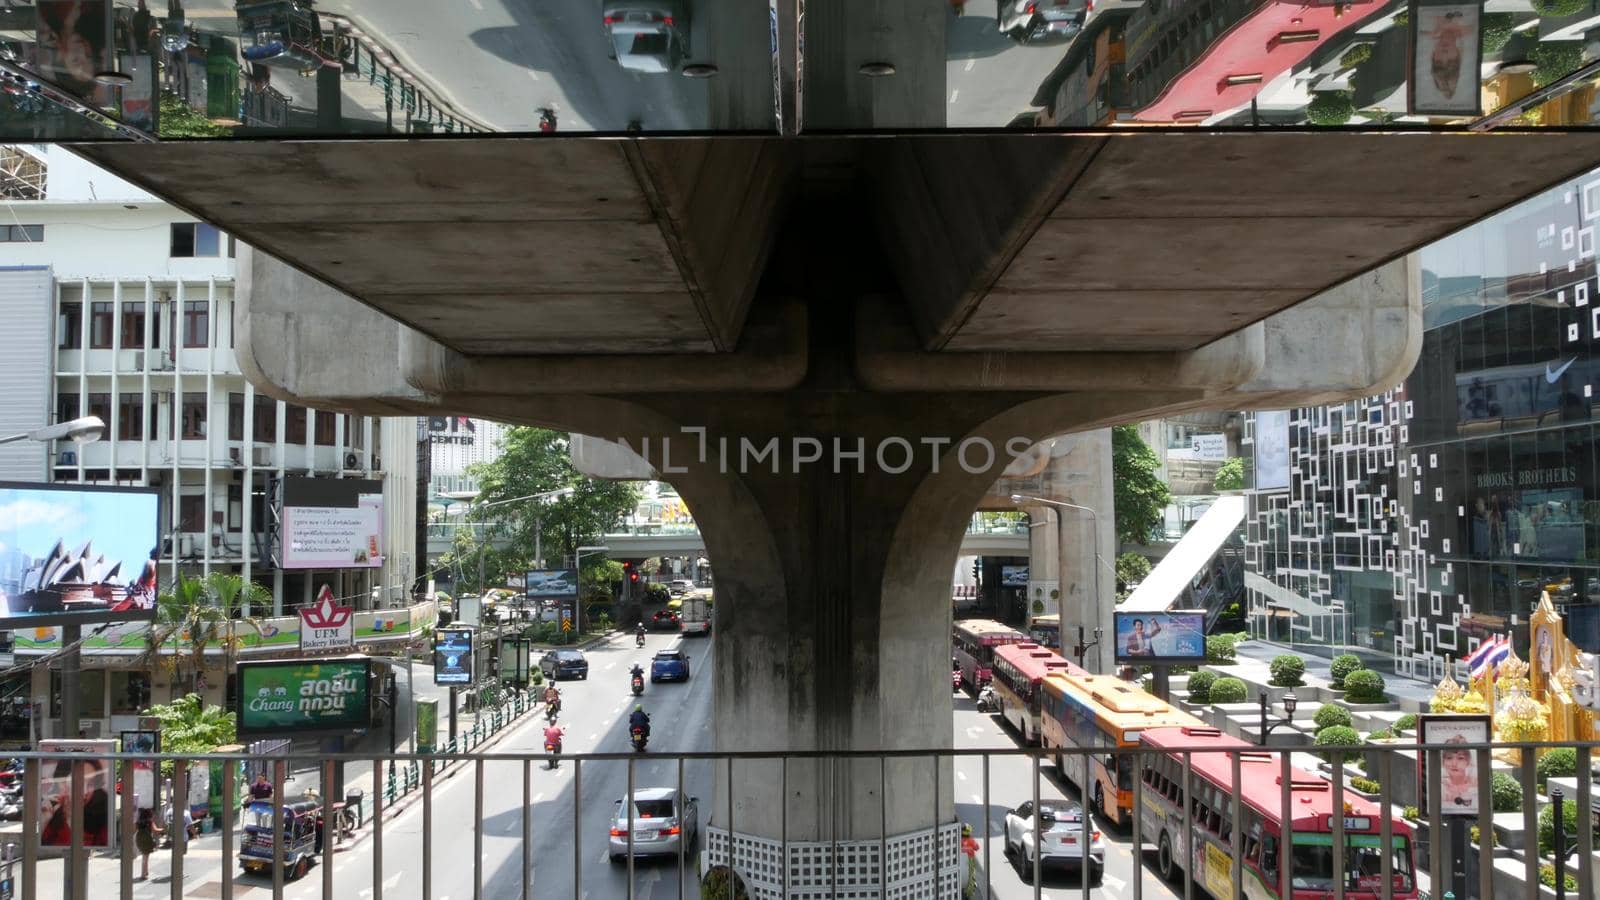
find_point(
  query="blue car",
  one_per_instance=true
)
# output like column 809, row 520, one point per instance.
column 670, row 665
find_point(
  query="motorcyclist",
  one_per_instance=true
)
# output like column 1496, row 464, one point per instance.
column 639, row 719
column 638, row 634
column 636, row 675
column 552, row 698
column 552, row 736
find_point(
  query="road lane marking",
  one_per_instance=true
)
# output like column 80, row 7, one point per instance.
column 477, row 5
column 534, row 75
column 954, row 95
column 968, row 67
column 961, row 775
column 538, row 797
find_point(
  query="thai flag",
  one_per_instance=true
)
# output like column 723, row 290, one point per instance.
column 1488, row 655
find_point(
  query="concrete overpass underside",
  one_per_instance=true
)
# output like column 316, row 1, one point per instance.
column 814, row 339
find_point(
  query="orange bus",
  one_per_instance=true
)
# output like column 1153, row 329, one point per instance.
column 1310, row 853
column 1018, row 670
column 972, row 646
column 1100, row 712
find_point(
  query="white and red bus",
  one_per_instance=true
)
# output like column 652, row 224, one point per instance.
column 1018, row 671
column 972, row 646
column 1310, row 853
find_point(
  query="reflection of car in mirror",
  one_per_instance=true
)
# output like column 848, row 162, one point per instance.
column 647, row 36
column 1040, row 21
column 284, row 34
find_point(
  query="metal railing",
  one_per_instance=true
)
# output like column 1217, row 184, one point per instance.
column 422, row 774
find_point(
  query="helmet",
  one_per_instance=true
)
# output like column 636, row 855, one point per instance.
column 966, row 831
column 639, row 708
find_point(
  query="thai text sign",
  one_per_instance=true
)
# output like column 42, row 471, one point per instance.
column 305, row 696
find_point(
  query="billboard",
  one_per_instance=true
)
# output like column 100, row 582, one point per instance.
column 332, row 523
column 77, row 554
column 1272, row 450
column 1458, row 767
column 325, row 625
column 452, row 656
column 1014, row 576
column 305, row 696
column 56, row 795
column 1144, row 638
column 551, row 584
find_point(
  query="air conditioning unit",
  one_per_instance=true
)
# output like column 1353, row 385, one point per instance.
column 185, row 544
column 261, row 456
column 67, row 458
column 352, row 461
column 163, row 362
column 236, row 456
column 138, row 360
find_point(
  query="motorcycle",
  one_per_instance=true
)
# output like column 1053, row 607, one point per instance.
column 551, row 710
column 639, row 738
column 638, row 639
column 987, row 701
column 547, row 119
column 554, row 749
column 955, row 680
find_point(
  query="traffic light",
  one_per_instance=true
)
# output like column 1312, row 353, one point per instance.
column 632, row 573
column 977, row 569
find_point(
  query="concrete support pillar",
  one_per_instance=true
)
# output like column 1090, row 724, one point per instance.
column 1087, row 544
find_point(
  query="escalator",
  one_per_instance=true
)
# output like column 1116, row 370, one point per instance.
column 1204, row 570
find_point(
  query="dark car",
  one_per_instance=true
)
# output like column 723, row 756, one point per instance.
column 559, row 664
column 665, row 620
column 669, row 665
column 1041, row 21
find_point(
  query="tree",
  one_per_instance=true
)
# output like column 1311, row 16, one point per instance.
column 179, row 120
column 1230, row 475
column 188, row 725
column 1141, row 497
column 1132, row 568
column 538, row 461
column 204, row 611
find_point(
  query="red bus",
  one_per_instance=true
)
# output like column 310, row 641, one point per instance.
column 973, row 648
column 1018, row 670
column 1311, row 849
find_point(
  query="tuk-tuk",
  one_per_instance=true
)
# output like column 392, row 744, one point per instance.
column 280, row 33
column 302, row 828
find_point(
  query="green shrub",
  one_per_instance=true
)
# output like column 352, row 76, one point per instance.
column 1472, row 835
column 1547, row 877
column 1228, row 690
column 1364, row 686
column 1331, row 108
column 1402, row 18
column 1343, row 665
column 1287, row 670
column 1497, row 31
column 1132, row 568
column 1230, row 475
column 1331, row 714
column 1407, row 722
column 1337, row 736
column 1412, row 813
column 1562, row 762
column 1355, row 56
column 1547, row 828
column 1200, row 686
column 722, row 883
column 1507, row 792
column 1366, row 785
column 535, row 676
column 1219, row 649
column 1557, row 8
column 1556, row 60
column 1382, row 734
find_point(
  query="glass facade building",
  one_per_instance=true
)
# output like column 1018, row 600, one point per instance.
column 1408, row 525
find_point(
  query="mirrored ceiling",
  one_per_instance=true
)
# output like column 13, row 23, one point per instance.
column 175, row 69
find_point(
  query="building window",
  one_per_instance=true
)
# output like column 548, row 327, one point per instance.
column 235, row 417
column 100, row 405
column 130, row 417
column 70, row 326
column 21, row 234
column 266, row 416
column 133, row 326
column 196, row 323
column 66, row 407
column 130, row 692
column 194, row 415
column 100, row 320
column 235, row 507
column 325, row 428
column 294, row 425
column 191, row 239
column 192, row 512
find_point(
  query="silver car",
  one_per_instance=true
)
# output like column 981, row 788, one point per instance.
column 658, row 826
column 647, row 36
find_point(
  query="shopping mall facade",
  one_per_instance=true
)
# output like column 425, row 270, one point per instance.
column 1409, row 525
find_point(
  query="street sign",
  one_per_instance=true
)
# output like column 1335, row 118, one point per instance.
column 326, row 625
column 566, row 624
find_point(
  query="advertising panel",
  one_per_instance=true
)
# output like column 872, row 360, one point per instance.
column 77, row 554
column 1014, row 576
column 427, row 725
column 452, row 656
column 305, row 696
column 326, row 625
column 1209, row 447
column 1272, row 450
column 1157, row 637
column 332, row 523
column 1446, row 54
column 55, row 793
column 73, row 36
column 1458, row 767
column 552, row 584
column 144, row 770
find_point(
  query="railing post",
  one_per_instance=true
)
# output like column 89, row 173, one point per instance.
column 1585, row 827
column 377, row 834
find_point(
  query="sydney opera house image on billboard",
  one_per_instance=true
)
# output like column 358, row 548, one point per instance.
column 77, row 553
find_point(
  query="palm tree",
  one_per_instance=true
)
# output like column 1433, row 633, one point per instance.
column 206, row 611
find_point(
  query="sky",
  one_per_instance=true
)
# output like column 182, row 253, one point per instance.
column 122, row 526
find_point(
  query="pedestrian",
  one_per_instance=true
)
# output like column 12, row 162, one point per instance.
column 969, row 846
column 144, row 838
column 262, row 788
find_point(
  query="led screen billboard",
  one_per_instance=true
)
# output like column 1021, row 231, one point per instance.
column 332, row 523
column 1014, row 576
column 77, row 554
column 1143, row 638
column 452, row 656
column 551, row 584
column 305, row 696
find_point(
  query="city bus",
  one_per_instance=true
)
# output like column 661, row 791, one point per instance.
column 1018, row 670
column 1046, row 631
column 1311, row 847
column 1096, row 713
column 972, row 647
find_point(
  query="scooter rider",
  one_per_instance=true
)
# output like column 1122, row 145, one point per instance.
column 639, row 719
column 552, row 698
column 638, row 634
column 636, row 673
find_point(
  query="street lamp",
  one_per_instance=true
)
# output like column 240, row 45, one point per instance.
column 1267, row 725
column 1082, row 649
column 1094, row 520
column 577, row 564
column 82, row 431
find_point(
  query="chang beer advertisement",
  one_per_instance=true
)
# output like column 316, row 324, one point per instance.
column 305, row 696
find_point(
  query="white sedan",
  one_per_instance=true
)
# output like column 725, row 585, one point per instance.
column 1063, row 845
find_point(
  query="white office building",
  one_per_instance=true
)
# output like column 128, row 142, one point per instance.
column 119, row 305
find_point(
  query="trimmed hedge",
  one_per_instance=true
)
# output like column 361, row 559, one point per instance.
column 1343, row 665
column 1562, row 762
column 1366, row 785
column 1331, row 108
column 1228, row 690
column 1507, row 792
column 1407, row 722
column 1547, row 828
column 1220, row 649
column 1364, row 686
column 1200, row 686
column 1338, row 736
column 1287, row 670
column 1331, row 714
